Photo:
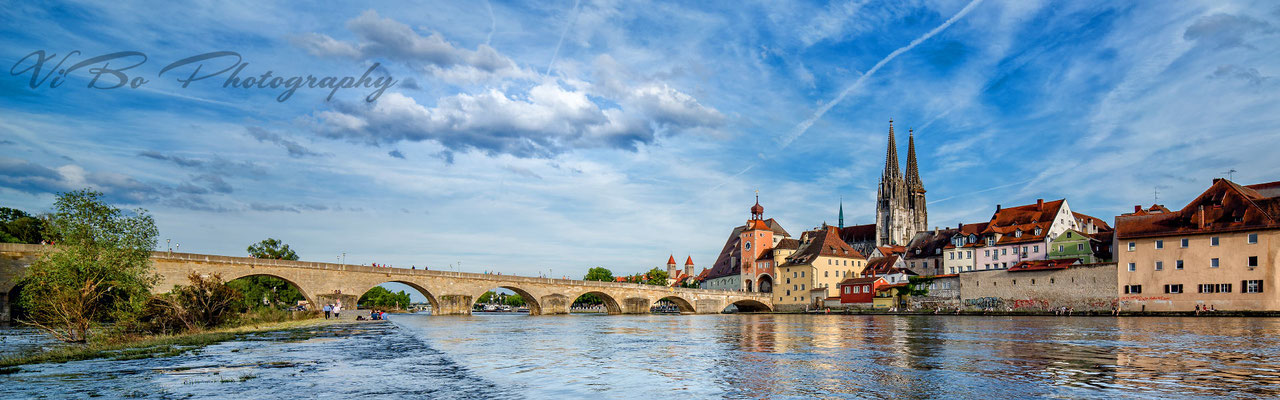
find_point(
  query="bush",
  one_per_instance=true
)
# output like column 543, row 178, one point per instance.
column 204, row 303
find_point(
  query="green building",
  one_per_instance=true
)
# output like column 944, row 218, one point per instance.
column 1073, row 244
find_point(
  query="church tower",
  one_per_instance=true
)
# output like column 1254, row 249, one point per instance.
column 900, row 204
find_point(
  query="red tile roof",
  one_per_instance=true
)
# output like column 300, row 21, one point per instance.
column 858, row 233
column 671, row 259
column 861, row 281
column 823, row 242
column 688, row 261
column 1041, row 265
column 1224, row 207
column 1041, row 211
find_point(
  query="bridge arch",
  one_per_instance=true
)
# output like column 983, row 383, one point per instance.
column 530, row 300
column 611, row 305
column 431, row 298
column 764, row 284
column 684, row 305
column 749, row 305
column 307, row 294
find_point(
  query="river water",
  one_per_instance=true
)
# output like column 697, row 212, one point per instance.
column 699, row 356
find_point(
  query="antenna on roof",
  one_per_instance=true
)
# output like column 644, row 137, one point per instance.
column 1230, row 173
column 1157, row 195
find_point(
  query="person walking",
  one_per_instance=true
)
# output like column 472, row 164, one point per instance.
column 327, row 309
column 337, row 308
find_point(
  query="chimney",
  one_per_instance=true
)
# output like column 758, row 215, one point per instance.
column 1200, row 217
column 1137, row 209
column 997, row 208
column 1040, row 204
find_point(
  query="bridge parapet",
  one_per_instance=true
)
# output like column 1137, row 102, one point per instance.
column 449, row 292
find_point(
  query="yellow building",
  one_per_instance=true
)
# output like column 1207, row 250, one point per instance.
column 1219, row 251
column 821, row 262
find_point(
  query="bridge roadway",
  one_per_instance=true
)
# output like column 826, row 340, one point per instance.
column 450, row 293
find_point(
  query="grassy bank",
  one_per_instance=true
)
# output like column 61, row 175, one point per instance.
column 132, row 347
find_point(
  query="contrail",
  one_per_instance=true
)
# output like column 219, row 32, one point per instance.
column 572, row 20
column 804, row 125
column 982, row 191
column 493, row 23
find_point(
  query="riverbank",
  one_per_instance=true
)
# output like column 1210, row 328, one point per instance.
column 1037, row 313
column 138, row 347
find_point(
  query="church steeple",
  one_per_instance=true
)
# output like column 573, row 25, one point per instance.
column 841, row 222
column 913, row 171
column 891, row 157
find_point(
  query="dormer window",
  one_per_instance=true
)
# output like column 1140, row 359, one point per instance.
column 1037, row 231
column 937, row 251
column 1017, row 233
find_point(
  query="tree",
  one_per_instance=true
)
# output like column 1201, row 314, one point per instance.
column 16, row 226
column 487, row 297
column 265, row 291
column 600, row 274
column 204, row 303
column 99, row 272
column 515, row 300
column 272, row 249
column 656, row 276
column 380, row 297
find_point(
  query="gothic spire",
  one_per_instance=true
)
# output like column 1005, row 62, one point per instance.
column 841, row 222
column 913, row 171
column 891, row 157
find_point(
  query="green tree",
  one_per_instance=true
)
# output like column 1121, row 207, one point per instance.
column 656, row 276
column 600, row 274
column 380, row 297
column 272, row 249
column 16, row 226
column 99, row 272
column 515, row 300
column 487, row 297
column 260, row 291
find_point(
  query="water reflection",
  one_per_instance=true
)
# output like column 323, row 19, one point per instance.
column 737, row 356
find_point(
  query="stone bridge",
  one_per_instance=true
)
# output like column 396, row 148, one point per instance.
column 450, row 293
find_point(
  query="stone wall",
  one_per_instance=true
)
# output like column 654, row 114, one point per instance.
column 1088, row 287
column 943, row 293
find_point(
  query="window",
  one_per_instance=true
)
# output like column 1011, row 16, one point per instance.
column 846, row 290
column 1253, row 261
column 788, row 281
column 1251, row 286
column 1215, row 288
column 747, row 245
column 1132, row 246
column 788, row 293
column 866, row 289
column 801, row 274
column 1159, row 244
column 1035, row 249
column 1213, row 241
column 1024, row 250
column 1159, row 265
column 1173, row 289
column 1004, row 251
column 953, row 270
column 1213, row 263
column 801, row 286
column 1133, row 267
column 1079, row 246
column 1185, row 242
column 1133, row 289
column 1253, row 238
column 988, row 253
column 1060, row 248
column 1178, row 265
column 970, row 253
column 826, row 274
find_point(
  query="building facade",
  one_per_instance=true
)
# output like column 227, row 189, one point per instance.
column 1219, row 251
column 900, row 204
column 821, row 262
column 736, row 267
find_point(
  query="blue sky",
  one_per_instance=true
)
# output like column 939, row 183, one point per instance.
column 557, row 136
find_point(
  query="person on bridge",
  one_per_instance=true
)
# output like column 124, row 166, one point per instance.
column 336, row 309
column 327, row 309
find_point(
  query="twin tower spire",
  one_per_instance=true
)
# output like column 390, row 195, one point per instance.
column 891, row 165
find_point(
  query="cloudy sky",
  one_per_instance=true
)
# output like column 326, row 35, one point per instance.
column 534, row 136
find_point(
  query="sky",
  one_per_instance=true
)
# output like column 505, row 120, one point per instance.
column 550, row 137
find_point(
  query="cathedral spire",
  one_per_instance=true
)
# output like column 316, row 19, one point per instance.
column 913, row 171
column 891, row 157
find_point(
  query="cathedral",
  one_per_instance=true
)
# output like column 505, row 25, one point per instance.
column 900, row 205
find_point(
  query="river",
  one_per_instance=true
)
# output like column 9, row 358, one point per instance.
column 700, row 356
